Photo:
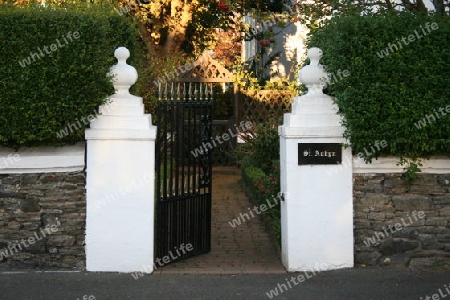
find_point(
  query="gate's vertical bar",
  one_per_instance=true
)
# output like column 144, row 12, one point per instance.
column 191, row 137
column 183, row 139
column 191, row 167
column 195, row 126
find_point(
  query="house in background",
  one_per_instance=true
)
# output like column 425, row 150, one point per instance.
column 288, row 42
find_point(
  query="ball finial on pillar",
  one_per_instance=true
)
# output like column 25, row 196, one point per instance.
column 313, row 75
column 124, row 75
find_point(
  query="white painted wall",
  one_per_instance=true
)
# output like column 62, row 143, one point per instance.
column 248, row 48
column 42, row 159
column 120, row 181
column 290, row 42
column 434, row 165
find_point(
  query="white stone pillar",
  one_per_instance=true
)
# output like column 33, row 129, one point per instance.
column 120, row 180
column 317, row 211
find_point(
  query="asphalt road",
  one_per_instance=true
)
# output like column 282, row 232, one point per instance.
column 358, row 283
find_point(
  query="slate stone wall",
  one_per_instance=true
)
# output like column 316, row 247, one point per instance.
column 42, row 221
column 401, row 224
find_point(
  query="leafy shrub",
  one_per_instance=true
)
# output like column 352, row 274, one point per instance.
column 252, row 176
column 392, row 85
column 223, row 103
column 50, row 81
column 262, row 145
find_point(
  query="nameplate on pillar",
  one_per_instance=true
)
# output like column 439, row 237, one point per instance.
column 319, row 153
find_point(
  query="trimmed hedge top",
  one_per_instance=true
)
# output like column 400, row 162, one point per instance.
column 396, row 91
column 53, row 66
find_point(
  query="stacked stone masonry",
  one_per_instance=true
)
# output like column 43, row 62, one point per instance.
column 395, row 223
column 42, row 221
column 402, row 224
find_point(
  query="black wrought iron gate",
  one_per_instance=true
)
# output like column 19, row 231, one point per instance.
column 183, row 171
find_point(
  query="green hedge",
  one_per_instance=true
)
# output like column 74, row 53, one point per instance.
column 63, row 78
column 393, row 83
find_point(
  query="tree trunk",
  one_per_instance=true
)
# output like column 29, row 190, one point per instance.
column 180, row 15
column 439, row 6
